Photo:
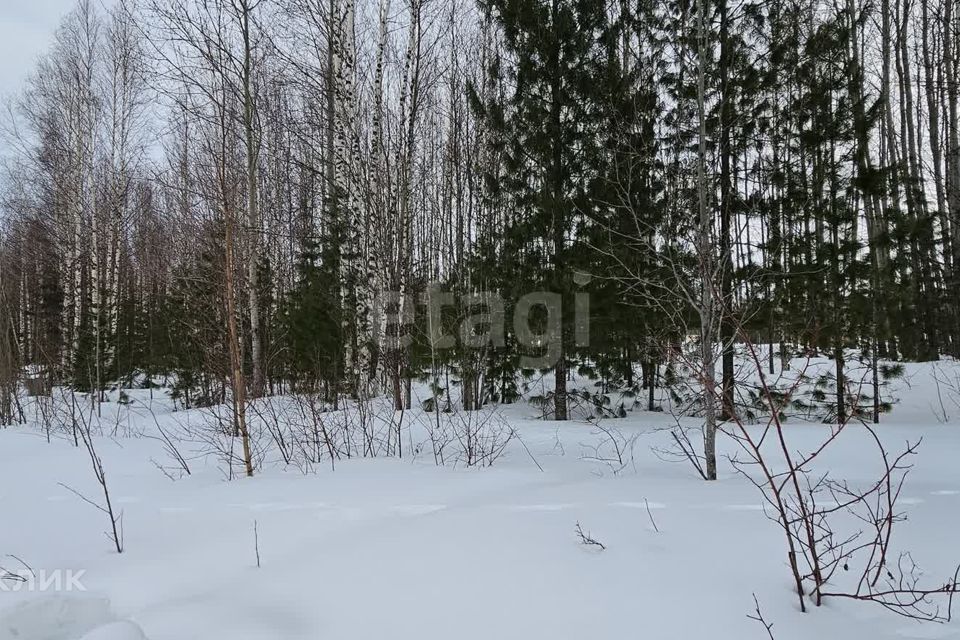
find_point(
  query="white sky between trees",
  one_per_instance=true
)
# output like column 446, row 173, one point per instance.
column 26, row 30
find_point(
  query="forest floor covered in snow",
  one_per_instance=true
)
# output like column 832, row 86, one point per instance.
column 402, row 547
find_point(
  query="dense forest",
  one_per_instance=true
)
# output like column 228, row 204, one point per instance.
column 244, row 197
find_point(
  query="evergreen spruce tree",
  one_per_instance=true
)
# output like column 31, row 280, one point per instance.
column 312, row 326
column 549, row 125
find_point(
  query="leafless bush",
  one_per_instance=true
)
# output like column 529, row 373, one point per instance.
column 758, row 616
column 298, row 428
column 475, row 438
column 612, row 447
column 481, row 436
column 948, row 391
column 838, row 535
column 217, row 436
column 440, row 435
column 585, row 539
column 8, row 575
column 277, row 426
column 65, row 413
column 682, row 448
column 368, row 426
column 181, row 466
column 306, row 430
column 82, row 429
column 44, row 404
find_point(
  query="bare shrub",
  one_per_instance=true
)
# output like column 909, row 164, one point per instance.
column 948, row 391
column 476, row 438
column 17, row 575
column 481, row 436
column 180, row 467
column 682, row 449
column 838, row 534
column 757, row 615
column 587, row 540
column 82, row 428
column 217, row 435
column 612, row 447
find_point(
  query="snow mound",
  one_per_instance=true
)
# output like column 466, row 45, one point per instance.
column 62, row 617
column 123, row 630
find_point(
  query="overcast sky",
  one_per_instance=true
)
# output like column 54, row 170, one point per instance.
column 26, row 30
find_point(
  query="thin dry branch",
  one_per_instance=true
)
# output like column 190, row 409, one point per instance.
column 587, row 540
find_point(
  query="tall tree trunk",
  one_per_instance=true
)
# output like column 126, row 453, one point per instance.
column 558, row 199
column 726, row 306
column 952, row 87
column 252, row 144
column 705, row 250
column 237, row 378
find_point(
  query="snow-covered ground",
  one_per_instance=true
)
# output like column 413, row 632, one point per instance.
column 403, row 548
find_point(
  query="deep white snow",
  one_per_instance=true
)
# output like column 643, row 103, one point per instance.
column 388, row 548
